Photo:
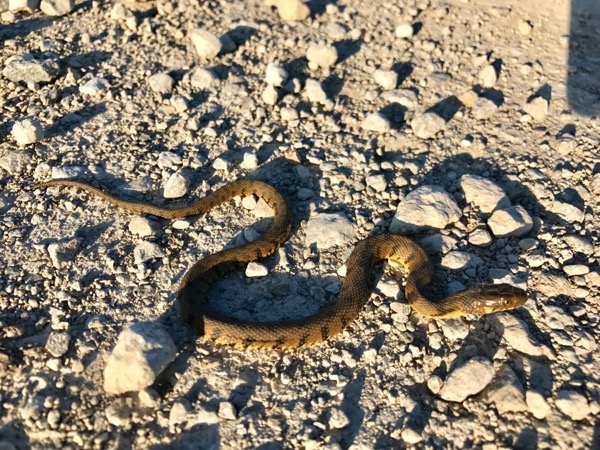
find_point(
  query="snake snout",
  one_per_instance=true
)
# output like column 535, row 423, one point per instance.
column 503, row 297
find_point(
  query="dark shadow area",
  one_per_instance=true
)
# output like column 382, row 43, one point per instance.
column 13, row 437
column 22, row 28
column 318, row 6
column 583, row 84
column 496, row 96
column 74, row 120
column 446, row 108
column 346, row 48
column 545, row 91
column 241, row 34
column 201, row 436
column 351, row 407
column 403, row 70
column 332, row 85
column 596, row 436
column 395, row 113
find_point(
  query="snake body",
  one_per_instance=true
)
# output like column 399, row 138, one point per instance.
column 330, row 320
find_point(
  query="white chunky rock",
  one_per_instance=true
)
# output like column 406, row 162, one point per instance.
column 425, row 207
column 161, row 83
column 142, row 351
column 276, row 75
column 94, row 87
column 27, row 131
column 314, row 91
column 142, row 226
column 177, row 186
column 537, row 108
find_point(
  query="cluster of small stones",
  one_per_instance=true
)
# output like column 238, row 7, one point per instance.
column 89, row 327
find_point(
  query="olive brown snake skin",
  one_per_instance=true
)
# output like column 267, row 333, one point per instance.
column 355, row 292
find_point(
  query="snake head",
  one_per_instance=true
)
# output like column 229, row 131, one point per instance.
column 498, row 297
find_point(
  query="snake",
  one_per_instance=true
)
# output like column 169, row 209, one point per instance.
column 330, row 320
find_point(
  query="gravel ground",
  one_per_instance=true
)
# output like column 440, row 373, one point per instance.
column 450, row 120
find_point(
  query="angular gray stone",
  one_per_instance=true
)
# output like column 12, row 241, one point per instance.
column 328, row 230
column 58, row 343
column 512, row 221
column 516, row 333
column 63, row 251
column 427, row 125
column 376, row 122
column 483, row 193
column 572, row 404
column 467, row 379
column 568, row 212
column 506, row 391
column 145, row 251
column 426, row 207
column 142, row 351
column 57, row 7
column 24, row 67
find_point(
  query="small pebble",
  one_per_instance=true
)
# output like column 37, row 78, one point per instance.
column 276, row 75
column 488, row 76
column 537, row 108
column 321, row 55
column 227, row 411
column 254, row 269
column 292, row 10
column 404, row 30
column 376, row 122
column 387, row 79
column 161, row 83
column 314, row 91
column 206, row 43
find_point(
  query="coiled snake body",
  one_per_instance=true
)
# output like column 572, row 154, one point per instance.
column 355, row 292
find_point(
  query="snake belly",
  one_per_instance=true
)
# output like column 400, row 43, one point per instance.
column 333, row 318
